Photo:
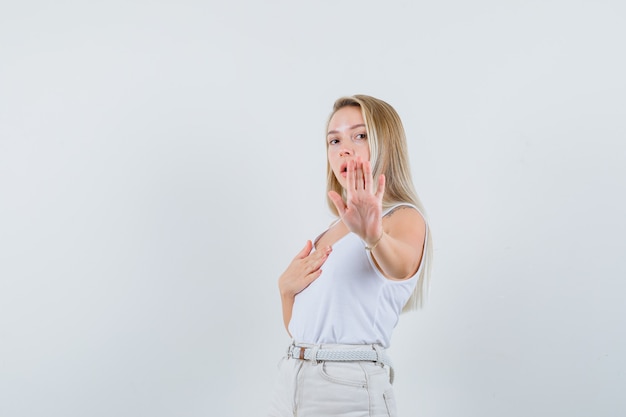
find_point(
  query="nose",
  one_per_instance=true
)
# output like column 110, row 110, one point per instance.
column 345, row 152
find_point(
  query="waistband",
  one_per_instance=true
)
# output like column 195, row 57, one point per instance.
column 341, row 353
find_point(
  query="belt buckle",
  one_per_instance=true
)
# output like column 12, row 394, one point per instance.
column 301, row 356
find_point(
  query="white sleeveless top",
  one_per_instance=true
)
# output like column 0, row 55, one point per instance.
column 351, row 302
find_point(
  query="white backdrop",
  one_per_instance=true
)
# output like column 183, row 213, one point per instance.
column 162, row 162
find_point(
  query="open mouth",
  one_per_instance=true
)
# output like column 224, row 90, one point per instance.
column 343, row 169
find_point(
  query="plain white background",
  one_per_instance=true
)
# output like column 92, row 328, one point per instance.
column 162, row 162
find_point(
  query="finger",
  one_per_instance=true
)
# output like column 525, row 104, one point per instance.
column 351, row 173
column 315, row 264
column 325, row 251
column 320, row 256
column 367, row 176
column 338, row 202
column 380, row 192
column 305, row 251
column 359, row 182
column 309, row 278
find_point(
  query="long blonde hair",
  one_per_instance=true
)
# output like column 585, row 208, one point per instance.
column 389, row 156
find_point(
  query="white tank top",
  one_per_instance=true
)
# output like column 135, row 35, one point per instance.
column 351, row 302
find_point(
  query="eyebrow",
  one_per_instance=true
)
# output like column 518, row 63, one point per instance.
column 332, row 132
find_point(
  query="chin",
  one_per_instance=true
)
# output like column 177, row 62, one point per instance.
column 341, row 181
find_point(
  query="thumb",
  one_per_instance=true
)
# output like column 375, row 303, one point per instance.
column 338, row 202
column 305, row 251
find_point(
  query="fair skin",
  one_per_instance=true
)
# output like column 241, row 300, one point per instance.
column 398, row 237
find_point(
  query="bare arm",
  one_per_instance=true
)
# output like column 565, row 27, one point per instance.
column 397, row 244
column 398, row 252
column 287, row 303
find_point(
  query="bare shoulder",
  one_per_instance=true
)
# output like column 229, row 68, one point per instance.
column 334, row 232
column 407, row 224
column 405, row 215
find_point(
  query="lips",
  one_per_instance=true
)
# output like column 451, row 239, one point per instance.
column 343, row 169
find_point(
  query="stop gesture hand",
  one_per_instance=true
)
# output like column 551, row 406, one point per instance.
column 362, row 210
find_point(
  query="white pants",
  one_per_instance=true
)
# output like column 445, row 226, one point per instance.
column 324, row 388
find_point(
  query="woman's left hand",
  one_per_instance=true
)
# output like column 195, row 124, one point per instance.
column 362, row 210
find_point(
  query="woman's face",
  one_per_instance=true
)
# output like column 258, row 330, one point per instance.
column 347, row 139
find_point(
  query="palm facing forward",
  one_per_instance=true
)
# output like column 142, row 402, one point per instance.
column 362, row 210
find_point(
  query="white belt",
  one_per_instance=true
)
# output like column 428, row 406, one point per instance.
column 374, row 354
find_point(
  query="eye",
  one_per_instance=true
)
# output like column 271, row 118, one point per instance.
column 333, row 141
column 360, row 136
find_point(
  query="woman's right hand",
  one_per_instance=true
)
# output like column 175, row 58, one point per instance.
column 303, row 270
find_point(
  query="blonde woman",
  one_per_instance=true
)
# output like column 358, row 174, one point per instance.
column 343, row 293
